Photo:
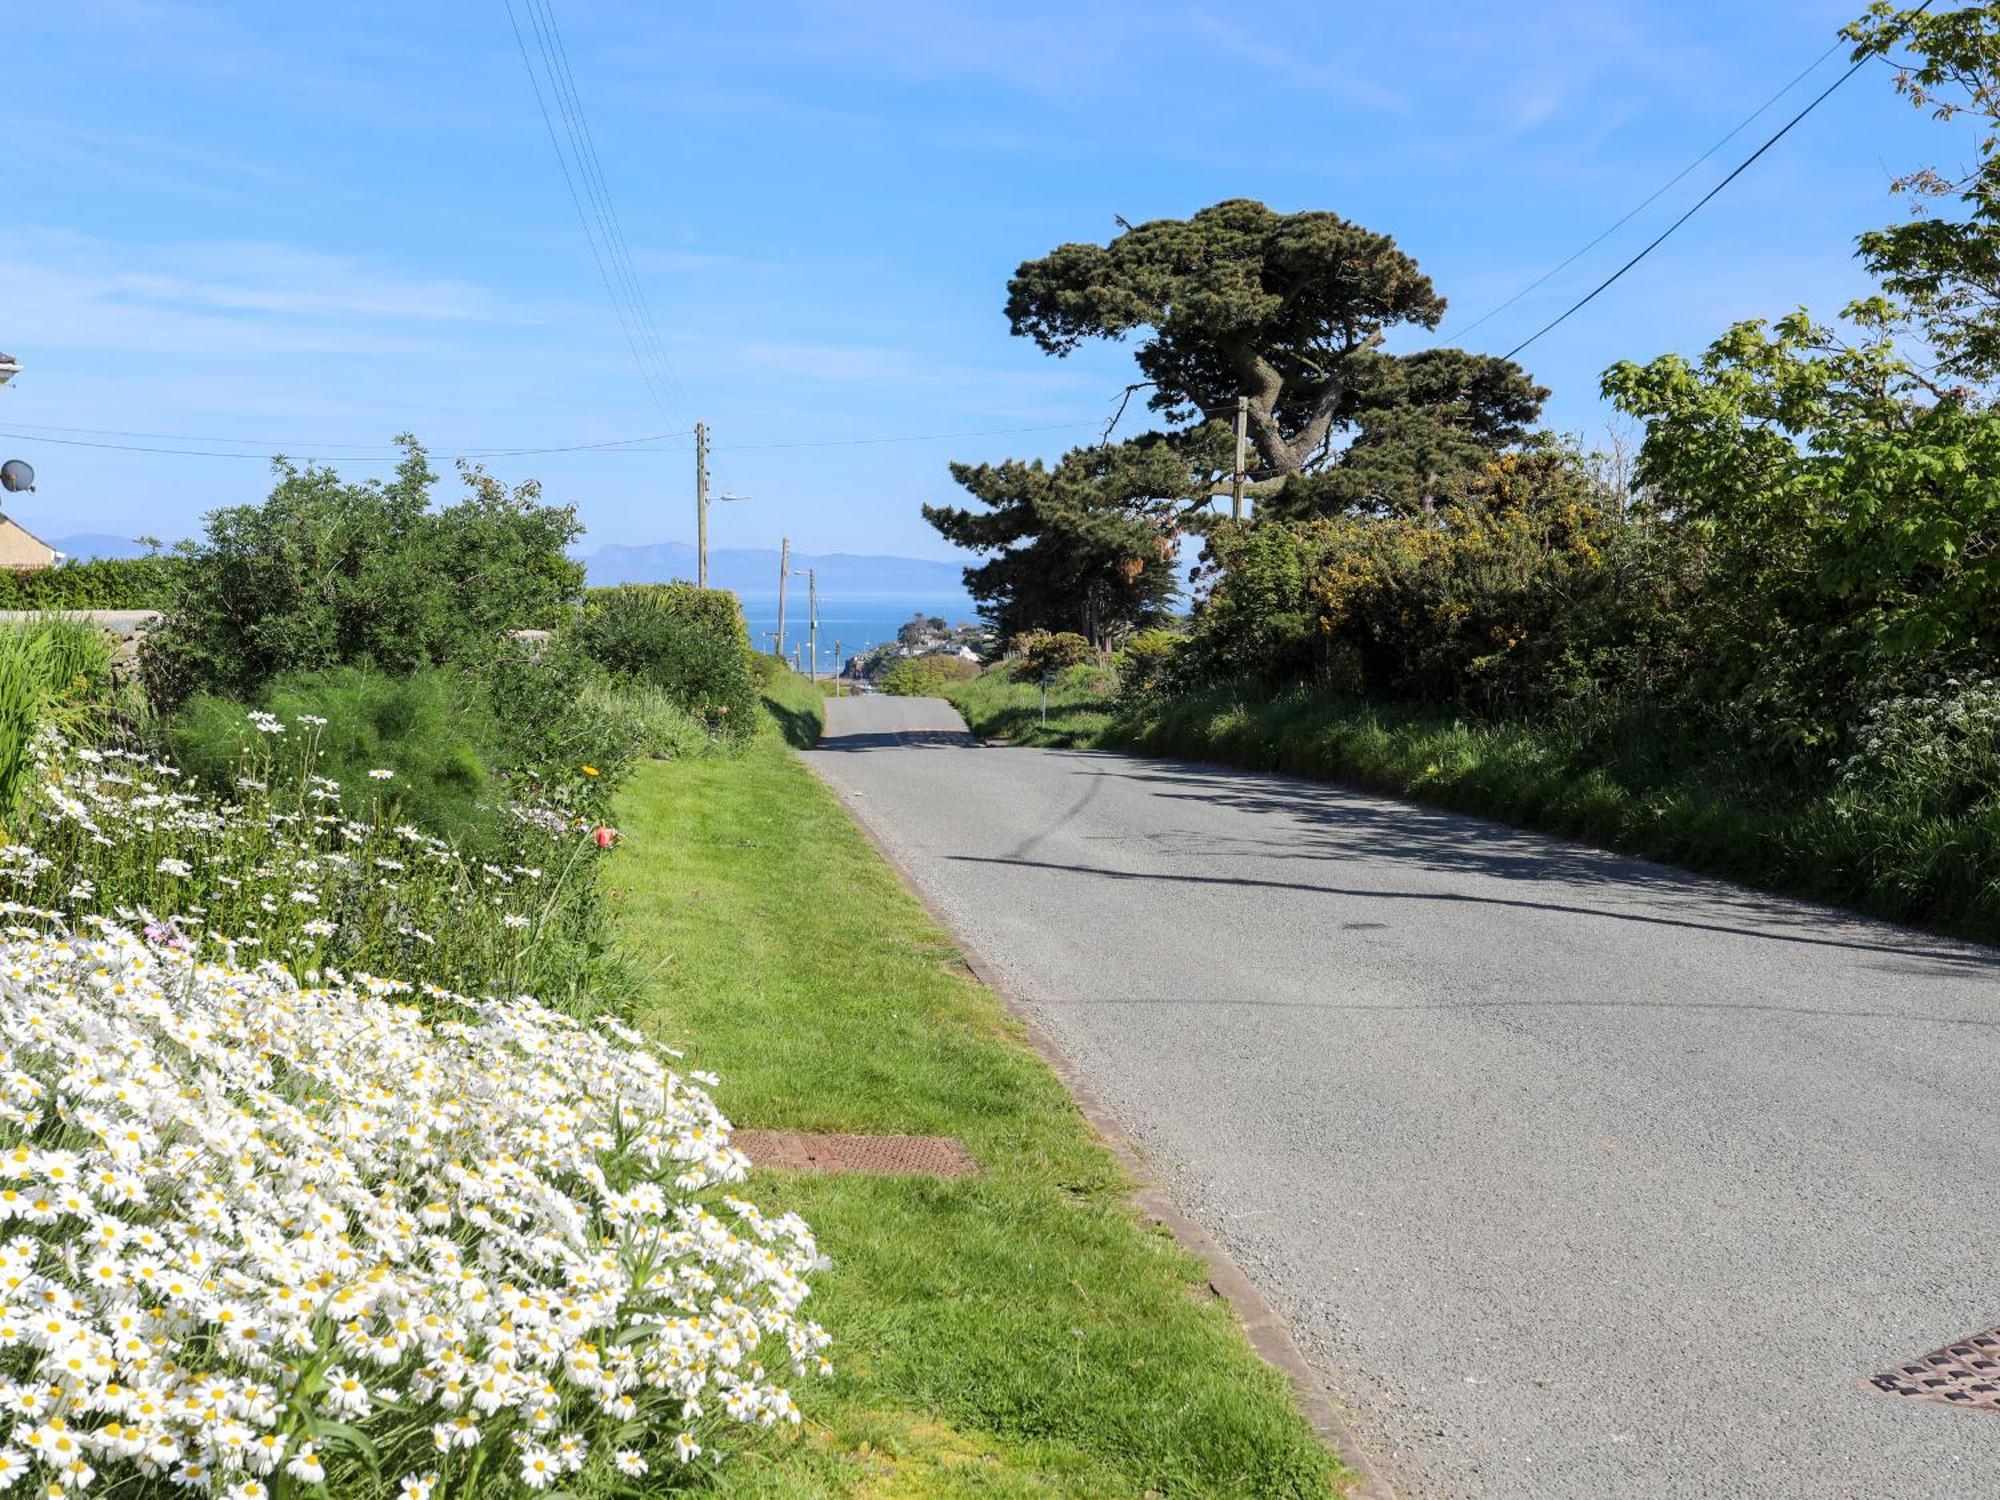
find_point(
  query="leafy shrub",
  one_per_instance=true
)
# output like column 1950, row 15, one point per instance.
column 927, row 676
column 1049, row 652
column 547, row 718
column 1847, row 509
column 1531, row 585
column 100, row 583
column 1145, row 662
column 686, row 641
column 327, row 574
column 316, row 1217
column 767, row 668
column 426, row 730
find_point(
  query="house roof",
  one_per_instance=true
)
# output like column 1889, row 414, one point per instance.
column 10, row 521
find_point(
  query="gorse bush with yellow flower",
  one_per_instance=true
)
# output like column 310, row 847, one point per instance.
column 1524, row 584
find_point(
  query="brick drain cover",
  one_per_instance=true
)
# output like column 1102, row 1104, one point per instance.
column 1966, row 1374
column 885, row 1155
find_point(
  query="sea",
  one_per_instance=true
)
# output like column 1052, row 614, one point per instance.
column 854, row 623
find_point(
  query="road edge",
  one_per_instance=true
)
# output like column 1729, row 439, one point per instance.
column 1267, row 1332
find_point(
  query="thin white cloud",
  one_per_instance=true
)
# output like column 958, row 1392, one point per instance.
column 218, row 298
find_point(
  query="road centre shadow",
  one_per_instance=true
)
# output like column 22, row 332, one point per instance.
column 901, row 739
column 1318, row 822
column 1328, row 823
column 1363, row 1007
column 1969, row 958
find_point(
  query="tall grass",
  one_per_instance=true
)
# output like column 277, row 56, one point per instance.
column 649, row 717
column 54, row 674
column 273, row 866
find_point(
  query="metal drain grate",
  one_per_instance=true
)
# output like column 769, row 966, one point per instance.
column 1966, row 1374
column 887, row 1155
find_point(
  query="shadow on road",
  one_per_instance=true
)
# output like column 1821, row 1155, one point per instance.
column 1350, row 825
column 1968, row 958
column 1328, row 823
column 902, row 739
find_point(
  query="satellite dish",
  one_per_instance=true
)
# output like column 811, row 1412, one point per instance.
column 15, row 476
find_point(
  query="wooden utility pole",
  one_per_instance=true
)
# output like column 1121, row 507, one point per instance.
column 1242, row 454
column 784, row 572
column 812, row 617
column 701, row 503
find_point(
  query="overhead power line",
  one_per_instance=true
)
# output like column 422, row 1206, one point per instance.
column 1741, row 168
column 1661, row 191
column 613, row 269
column 919, row 437
column 376, row 452
column 316, row 445
column 608, row 219
column 314, row 451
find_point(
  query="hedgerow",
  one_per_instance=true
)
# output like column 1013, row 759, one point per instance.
column 98, row 583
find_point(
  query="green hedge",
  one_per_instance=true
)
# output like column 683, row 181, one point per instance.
column 688, row 641
column 926, row 676
column 102, row 583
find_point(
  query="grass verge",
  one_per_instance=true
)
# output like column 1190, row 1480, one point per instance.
column 797, row 708
column 1000, row 707
column 1018, row 1333
column 1624, row 778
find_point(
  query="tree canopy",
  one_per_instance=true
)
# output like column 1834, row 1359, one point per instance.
column 1428, row 424
column 1289, row 311
column 1088, row 544
column 1945, row 270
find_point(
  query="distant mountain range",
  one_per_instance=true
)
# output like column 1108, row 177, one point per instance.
column 752, row 572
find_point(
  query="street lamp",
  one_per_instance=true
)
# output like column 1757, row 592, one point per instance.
column 9, row 368
column 701, row 534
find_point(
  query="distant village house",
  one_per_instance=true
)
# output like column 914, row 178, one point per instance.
column 21, row 551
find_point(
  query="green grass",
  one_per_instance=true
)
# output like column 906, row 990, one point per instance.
column 1624, row 777
column 1018, row 1333
column 797, row 707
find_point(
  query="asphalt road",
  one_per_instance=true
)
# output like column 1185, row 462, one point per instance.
column 1577, row 1176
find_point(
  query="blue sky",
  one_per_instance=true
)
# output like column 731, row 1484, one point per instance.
column 319, row 225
